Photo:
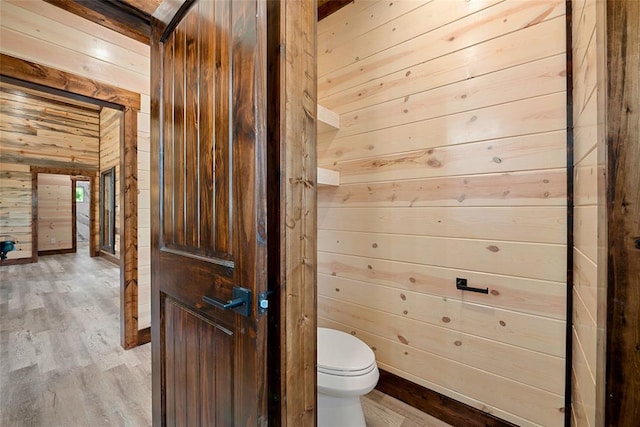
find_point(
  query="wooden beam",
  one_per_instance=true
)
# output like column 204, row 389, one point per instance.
column 146, row 6
column 327, row 7
column 623, row 205
column 120, row 17
column 129, row 229
column 70, row 84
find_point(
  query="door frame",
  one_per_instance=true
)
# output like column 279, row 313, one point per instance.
column 50, row 80
column 74, row 175
column 74, row 184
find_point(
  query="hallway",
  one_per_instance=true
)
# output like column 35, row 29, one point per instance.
column 62, row 364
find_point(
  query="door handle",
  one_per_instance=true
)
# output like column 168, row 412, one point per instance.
column 240, row 301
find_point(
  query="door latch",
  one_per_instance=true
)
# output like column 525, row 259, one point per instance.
column 263, row 301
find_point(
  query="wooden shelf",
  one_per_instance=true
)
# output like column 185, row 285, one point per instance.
column 328, row 177
column 328, row 121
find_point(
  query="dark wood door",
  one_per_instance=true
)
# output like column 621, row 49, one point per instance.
column 209, row 213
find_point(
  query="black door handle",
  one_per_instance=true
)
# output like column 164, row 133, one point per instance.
column 240, row 301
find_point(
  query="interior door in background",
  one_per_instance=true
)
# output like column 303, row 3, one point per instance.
column 209, row 241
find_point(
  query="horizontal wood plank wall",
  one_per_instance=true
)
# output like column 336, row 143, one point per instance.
column 589, row 160
column 452, row 155
column 54, row 212
column 16, row 208
column 110, row 134
column 144, row 216
column 39, row 132
column 44, row 133
column 44, row 34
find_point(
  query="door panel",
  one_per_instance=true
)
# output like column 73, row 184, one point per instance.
column 197, row 346
column 210, row 234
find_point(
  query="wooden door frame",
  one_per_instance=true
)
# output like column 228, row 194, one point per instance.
column 74, row 184
column 73, row 86
column 619, row 224
column 74, row 175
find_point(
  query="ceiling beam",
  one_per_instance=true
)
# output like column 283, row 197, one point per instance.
column 35, row 74
column 113, row 14
column 327, row 7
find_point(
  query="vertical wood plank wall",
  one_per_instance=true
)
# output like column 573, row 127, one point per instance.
column 55, row 227
column 110, row 134
column 45, row 34
column 452, row 155
column 589, row 161
column 38, row 132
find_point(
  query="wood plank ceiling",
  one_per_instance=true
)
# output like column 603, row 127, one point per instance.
column 132, row 17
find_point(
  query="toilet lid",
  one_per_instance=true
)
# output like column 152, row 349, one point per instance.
column 342, row 354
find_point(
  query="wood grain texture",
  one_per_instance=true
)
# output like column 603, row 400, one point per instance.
column 440, row 151
column 128, row 165
column 147, row 6
column 55, row 222
column 35, row 131
column 293, row 127
column 16, row 216
column 55, row 135
column 444, row 408
column 327, row 7
column 50, row 77
column 623, row 211
column 117, row 16
column 489, row 56
column 111, row 132
column 199, row 248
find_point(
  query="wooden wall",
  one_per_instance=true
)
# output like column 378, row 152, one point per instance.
column 110, row 135
column 41, row 132
column 44, row 34
column 16, row 208
column 46, row 133
column 452, row 154
column 55, row 226
column 589, row 160
column 144, row 216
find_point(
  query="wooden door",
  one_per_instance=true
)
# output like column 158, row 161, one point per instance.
column 209, row 219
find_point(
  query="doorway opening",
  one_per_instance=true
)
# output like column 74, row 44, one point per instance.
column 82, row 200
column 74, row 88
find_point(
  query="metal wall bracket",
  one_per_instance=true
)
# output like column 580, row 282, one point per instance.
column 461, row 284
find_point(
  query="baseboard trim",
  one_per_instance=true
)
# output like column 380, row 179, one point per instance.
column 57, row 251
column 111, row 258
column 435, row 404
column 17, row 261
column 144, row 336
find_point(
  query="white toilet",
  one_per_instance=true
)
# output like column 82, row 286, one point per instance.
column 346, row 370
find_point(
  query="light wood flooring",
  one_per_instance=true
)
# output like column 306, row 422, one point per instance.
column 61, row 363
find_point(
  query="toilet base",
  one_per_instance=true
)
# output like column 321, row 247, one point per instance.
column 340, row 411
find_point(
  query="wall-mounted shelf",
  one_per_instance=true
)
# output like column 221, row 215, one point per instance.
column 328, row 120
column 328, row 177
